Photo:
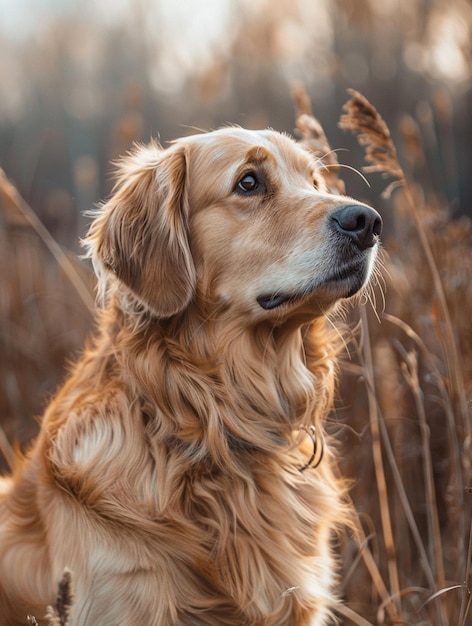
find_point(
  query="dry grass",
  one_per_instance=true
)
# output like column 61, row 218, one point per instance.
column 58, row 615
column 420, row 427
column 402, row 416
column 46, row 299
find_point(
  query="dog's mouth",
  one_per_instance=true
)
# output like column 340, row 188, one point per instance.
column 273, row 301
column 343, row 282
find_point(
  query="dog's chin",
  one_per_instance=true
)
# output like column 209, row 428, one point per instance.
column 339, row 284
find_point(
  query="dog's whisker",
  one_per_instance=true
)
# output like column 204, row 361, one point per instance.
column 333, row 151
column 347, row 167
column 289, row 591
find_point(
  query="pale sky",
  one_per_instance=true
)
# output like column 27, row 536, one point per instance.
column 19, row 18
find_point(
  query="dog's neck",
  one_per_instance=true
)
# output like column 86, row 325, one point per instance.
column 227, row 387
column 219, row 390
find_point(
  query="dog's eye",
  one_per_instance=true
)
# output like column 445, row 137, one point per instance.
column 248, row 184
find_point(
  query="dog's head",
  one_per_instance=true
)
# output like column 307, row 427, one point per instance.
column 234, row 220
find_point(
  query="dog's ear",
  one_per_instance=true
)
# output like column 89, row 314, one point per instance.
column 141, row 234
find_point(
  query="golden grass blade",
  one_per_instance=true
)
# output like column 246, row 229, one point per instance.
column 11, row 198
column 301, row 100
column 375, row 574
column 406, row 505
column 448, row 340
column 314, row 138
column 378, row 464
column 6, row 449
column 410, row 372
column 466, row 609
column 58, row 615
column 352, row 569
column 345, row 611
column 363, row 119
column 403, row 593
column 413, row 146
column 439, row 594
column 465, row 606
column 457, row 519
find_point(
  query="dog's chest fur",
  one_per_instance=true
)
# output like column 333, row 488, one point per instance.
column 240, row 548
column 169, row 534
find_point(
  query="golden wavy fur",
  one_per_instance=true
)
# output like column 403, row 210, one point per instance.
column 169, row 475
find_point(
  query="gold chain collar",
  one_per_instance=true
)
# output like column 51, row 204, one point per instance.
column 318, row 448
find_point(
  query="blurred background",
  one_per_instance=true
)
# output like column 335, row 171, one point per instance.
column 80, row 81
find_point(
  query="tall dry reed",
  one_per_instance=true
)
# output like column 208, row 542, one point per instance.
column 422, row 499
column 402, row 410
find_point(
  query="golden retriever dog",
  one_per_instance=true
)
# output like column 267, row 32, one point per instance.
column 175, row 473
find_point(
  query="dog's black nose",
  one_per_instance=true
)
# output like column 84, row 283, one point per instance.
column 358, row 222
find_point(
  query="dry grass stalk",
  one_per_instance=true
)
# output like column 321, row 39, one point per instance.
column 376, row 577
column 7, row 449
column 435, row 536
column 373, row 133
column 301, row 100
column 15, row 208
column 379, row 471
column 412, row 143
column 314, row 138
column 457, row 506
column 351, row 615
column 46, row 299
column 362, row 118
column 58, row 615
column 410, row 372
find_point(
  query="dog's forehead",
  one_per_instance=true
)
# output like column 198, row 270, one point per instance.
column 230, row 147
